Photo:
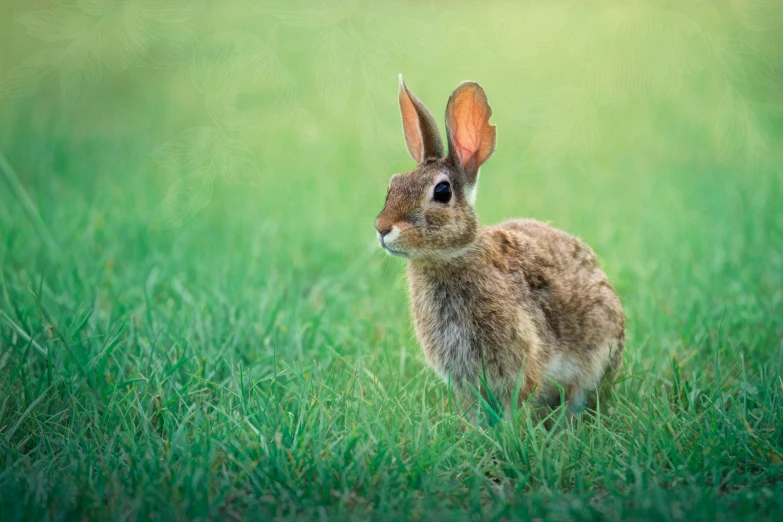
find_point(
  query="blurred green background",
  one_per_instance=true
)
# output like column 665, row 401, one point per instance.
column 209, row 174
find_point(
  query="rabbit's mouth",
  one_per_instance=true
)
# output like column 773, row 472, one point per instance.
column 392, row 252
column 388, row 242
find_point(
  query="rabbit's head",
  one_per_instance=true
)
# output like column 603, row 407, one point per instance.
column 429, row 211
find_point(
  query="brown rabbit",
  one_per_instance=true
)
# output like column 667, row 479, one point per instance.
column 493, row 307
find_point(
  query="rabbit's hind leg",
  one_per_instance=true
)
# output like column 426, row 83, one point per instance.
column 577, row 400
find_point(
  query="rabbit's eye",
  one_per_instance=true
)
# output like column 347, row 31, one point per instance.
column 442, row 193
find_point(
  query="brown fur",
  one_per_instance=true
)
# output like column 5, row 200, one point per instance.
column 520, row 299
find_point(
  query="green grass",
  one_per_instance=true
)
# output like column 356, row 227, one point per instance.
column 236, row 346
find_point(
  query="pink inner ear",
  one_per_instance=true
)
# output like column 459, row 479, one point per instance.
column 469, row 118
column 466, row 137
column 466, row 132
column 410, row 123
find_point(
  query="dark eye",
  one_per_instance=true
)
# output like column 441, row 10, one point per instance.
column 442, row 193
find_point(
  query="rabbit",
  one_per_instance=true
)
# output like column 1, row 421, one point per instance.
column 517, row 310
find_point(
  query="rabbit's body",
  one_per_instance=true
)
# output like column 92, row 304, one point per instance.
column 518, row 302
column 528, row 304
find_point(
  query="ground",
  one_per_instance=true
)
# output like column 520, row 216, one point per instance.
column 196, row 321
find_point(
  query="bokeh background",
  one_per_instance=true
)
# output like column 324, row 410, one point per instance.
column 198, row 182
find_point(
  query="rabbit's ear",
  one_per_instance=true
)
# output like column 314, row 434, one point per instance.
column 421, row 131
column 471, row 137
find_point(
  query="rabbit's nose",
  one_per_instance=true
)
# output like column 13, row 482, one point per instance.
column 382, row 227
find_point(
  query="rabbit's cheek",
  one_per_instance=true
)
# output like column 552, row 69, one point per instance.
column 437, row 225
column 437, row 219
column 412, row 239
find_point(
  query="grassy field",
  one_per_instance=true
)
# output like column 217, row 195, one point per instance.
column 196, row 321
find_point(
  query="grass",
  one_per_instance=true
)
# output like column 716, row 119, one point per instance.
column 233, row 345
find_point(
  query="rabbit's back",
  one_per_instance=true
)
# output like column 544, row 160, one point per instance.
column 578, row 314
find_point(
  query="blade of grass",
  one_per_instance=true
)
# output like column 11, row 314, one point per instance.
column 27, row 205
column 38, row 348
column 10, row 433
